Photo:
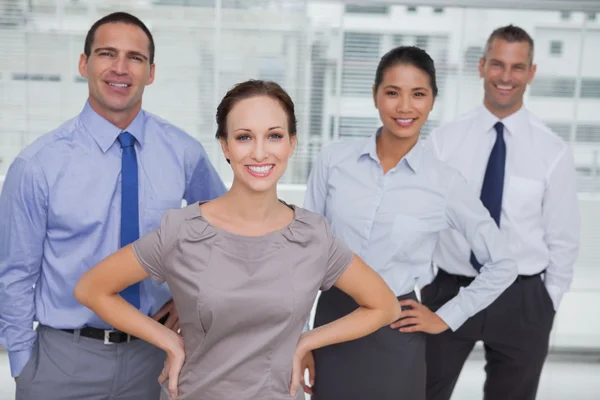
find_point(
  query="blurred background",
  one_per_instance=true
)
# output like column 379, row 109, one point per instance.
column 324, row 53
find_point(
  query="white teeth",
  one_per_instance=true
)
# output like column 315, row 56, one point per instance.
column 405, row 121
column 502, row 87
column 121, row 85
column 260, row 170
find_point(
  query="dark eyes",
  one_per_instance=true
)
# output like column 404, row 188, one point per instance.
column 274, row 136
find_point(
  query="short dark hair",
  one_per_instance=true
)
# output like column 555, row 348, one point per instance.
column 253, row 88
column 407, row 55
column 123, row 18
column 510, row 34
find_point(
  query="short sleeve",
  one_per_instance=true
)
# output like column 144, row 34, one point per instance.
column 339, row 257
column 149, row 251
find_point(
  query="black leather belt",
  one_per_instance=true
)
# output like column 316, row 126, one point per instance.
column 469, row 279
column 108, row 336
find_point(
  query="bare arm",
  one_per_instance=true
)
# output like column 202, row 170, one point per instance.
column 98, row 289
column 378, row 307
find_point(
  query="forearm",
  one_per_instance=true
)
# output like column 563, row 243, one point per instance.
column 359, row 323
column 558, row 281
column 117, row 312
column 491, row 282
column 16, row 322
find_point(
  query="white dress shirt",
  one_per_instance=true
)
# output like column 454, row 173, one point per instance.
column 540, row 211
column 393, row 220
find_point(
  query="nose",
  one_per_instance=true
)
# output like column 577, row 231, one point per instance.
column 259, row 150
column 120, row 65
column 404, row 104
column 506, row 75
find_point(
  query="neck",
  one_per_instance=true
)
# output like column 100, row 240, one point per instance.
column 248, row 205
column 502, row 113
column 391, row 149
column 120, row 119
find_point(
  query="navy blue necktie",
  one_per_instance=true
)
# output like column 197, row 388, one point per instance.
column 130, row 229
column 493, row 182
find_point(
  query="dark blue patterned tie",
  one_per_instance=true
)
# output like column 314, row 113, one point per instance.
column 130, row 230
column 493, row 182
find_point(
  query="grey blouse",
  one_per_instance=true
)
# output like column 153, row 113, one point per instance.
column 242, row 300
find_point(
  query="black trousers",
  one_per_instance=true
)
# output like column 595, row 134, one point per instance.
column 515, row 330
column 386, row 365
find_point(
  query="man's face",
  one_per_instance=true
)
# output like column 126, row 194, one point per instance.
column 118, row 68
column 506, row 71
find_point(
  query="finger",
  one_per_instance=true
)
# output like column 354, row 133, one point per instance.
column 410, row 329
column 410, row 303
column 161, row 313
column 307, row 390
column 176, row 327
column 171, row 321
column 405, row 321
column 173, row 380
column 163, row 375
column 311, row 373
column 296, row 376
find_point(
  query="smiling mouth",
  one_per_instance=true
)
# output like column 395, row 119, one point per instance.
column 260, row 171
column 118, row 85
column 404, row 122
column 504, row 88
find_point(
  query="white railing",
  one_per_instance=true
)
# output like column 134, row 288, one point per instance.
column 584, row 295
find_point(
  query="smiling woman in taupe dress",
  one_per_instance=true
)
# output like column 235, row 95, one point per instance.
column 243, row 270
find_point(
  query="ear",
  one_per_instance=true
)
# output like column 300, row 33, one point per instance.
column 151, row 77
column 83, row 59
column 224, row 148
column 481, row 65
column 374, row 89
column 533, row 70
column 293, row 141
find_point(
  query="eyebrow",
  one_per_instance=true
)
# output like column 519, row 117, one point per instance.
column 135, row 53
column 520, row 64
column 413, row 89
column 249, row 130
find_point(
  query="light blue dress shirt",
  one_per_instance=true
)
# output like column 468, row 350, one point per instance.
column 393, row 221
column 60, row 209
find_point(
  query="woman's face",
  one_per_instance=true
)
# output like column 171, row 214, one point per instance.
column 404, row 99
column 258, row 142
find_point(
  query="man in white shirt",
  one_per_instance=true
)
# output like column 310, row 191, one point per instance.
column 526, row 176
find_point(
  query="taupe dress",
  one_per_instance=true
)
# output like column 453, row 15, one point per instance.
column 242, row 301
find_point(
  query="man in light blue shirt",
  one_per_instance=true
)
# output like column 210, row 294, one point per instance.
column 75, row 196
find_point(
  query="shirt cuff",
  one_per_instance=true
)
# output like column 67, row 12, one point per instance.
column 556, row 294
column 452, row 315
column 306, row 326
column 18, row 360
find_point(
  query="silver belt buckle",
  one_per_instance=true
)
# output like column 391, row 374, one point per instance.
column 107, row 336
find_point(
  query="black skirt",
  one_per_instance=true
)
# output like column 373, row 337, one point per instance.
column 386, row 365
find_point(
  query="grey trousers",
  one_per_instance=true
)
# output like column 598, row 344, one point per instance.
column 66, row 366
column 385, row 365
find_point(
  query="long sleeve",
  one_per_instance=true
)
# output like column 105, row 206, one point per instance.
column 315, row 196
column 560, row 217
column 202, row 180
column 23, row 212
column 466, row 214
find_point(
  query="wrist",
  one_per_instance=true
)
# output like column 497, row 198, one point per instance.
column 173, row 343
column 303, row 345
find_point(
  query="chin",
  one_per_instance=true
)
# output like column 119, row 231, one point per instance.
column 405, row 134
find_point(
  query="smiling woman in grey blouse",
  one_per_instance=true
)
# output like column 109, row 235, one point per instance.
column 388, row 199
column 243, row 270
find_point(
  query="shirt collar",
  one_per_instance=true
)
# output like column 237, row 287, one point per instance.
column 105, row 133
column 412, row 158
column 513, row 123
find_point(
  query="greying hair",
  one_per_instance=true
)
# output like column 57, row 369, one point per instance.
column 510, row 34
